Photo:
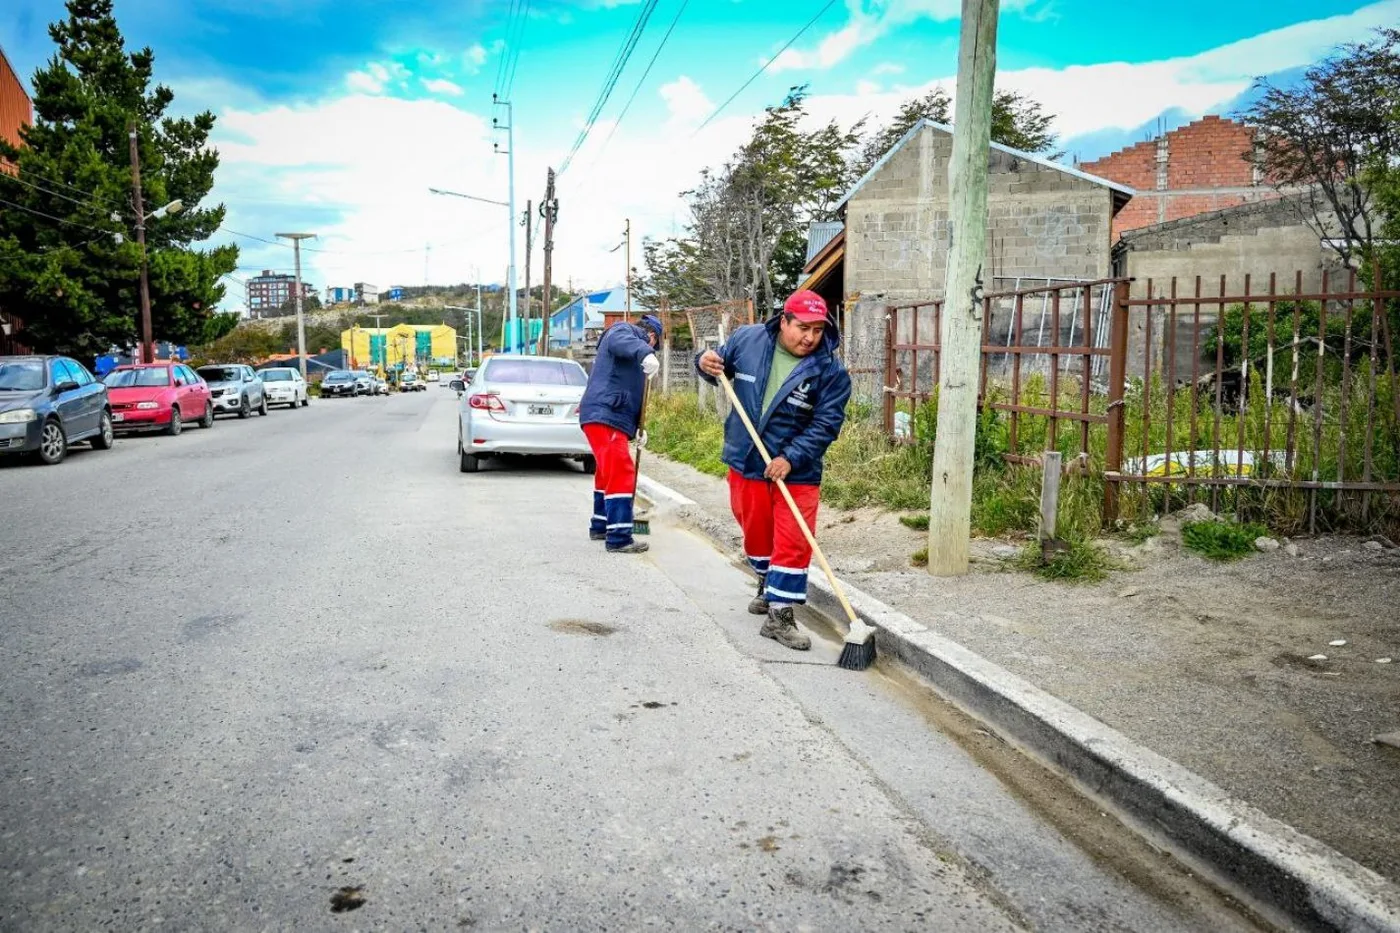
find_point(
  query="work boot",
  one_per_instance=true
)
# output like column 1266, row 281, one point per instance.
column 781, row 626
column 597, row 536
column 759, row 604
column 636, row 547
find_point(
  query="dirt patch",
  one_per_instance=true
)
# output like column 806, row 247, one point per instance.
column 1212, row 665
column 581, row 627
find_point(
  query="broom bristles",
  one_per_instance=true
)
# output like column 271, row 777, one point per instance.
column 859, row 652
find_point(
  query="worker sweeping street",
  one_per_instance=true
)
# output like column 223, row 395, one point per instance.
column 786, row 376
column 610, row 413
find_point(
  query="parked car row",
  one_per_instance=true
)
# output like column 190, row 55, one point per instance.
column 349, row 383
column 49, row 403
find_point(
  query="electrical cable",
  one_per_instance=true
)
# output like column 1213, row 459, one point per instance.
column 519, row 46
column 505, row 49
column 71, row 223
column 655, row 55
column 764, row 67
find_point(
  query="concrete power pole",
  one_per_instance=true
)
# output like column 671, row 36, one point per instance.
column 550, row 211
column 525, row 341
column 950, row 510
column 296, row 239
column 510, row 227
column 147, row 340
column 628, row 315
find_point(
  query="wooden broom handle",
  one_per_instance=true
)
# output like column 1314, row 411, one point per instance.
column 796, row 512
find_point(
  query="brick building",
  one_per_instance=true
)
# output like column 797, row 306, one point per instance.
column 1199, row 168
column 16, row 111
column 267, row 293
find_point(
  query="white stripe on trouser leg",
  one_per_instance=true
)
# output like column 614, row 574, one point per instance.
column 786, row 584
column 620, row 525
column 601, row 518
column 794, row 571
column 618, row 495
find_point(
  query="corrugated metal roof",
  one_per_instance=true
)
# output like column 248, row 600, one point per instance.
column 944, row 128
column 818, row 235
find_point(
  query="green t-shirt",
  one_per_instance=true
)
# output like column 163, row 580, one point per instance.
column 783, row 365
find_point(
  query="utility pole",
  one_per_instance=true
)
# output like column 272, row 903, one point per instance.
column 296, row 239
column 950, row 507
column 510, row 227
column 550, row 211
column 147, row 341
column 525, row 341
column 627, row 316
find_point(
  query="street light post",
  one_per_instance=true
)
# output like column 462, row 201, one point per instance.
column 510, row 228
column 296, row 239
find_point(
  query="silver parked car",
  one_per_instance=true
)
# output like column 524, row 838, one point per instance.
column 522, row 405
column 284, row 386
column 235, row 389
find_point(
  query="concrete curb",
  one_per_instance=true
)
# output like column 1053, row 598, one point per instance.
column 1289, row 878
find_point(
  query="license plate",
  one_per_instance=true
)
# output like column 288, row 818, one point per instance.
column 541, row 409
column 118, row 416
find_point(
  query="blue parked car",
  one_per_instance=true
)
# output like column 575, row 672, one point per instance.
column 47, row 404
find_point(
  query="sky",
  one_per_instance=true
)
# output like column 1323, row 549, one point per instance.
column 337, row 116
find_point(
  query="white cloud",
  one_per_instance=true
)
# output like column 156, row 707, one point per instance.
column 685, row 102
column 362, row 82
column 887, row 68
column 376, row 77
column 442, row 86
column 475, row 57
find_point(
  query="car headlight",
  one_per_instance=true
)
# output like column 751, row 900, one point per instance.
column 18, row 416
column 146, row 406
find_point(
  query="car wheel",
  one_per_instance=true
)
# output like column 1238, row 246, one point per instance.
column 262, row 409
column 105, row 437
column 590, row 464
column 470, row 462
column 306, row 401
column 244, row 409
column 208, row 420
column 176, row 425
column 53, row 442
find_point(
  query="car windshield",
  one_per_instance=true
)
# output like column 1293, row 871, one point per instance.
column 275, row 375
column 409, row 377
column 22, row 375
column 340, row 376
column 136, row 378
column 535, row 373
column 219, row 374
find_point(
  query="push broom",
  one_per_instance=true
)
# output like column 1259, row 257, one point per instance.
column 858, row 653
column 641, row 524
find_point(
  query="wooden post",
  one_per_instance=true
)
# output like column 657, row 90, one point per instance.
column 960, row 337
column 1117, row 376
column 550, row 210
column 1049, row 494
column 666, row 366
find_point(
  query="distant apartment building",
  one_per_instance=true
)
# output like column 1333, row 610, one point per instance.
column 366, row 294
column 339, row 294
column 1199, row 168
column 268, row 292
column 16, row 111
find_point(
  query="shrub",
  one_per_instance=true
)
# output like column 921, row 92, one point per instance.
column 1221, row 540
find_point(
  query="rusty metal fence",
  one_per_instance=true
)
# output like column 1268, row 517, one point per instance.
column 1182, row 393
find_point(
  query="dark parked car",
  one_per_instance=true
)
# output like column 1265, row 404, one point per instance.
column 48, row 403
column 340, row 382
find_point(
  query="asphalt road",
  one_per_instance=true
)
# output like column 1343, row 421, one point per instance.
column 251, row 666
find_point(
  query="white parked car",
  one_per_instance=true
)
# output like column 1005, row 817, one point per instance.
column 284, row 386
column 433, row 375
column 522, row 405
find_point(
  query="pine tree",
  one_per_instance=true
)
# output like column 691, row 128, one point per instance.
column 73, row 275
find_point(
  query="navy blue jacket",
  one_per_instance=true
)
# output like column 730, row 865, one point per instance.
column 807, row 413
column 614, row 393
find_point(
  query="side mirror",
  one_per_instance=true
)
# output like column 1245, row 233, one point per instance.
column 68, row 386
column 179, row 382
column 458, row 384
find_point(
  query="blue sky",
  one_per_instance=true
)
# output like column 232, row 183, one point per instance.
column 336, row 115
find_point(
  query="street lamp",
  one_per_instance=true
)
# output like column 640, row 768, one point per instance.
column 296, row 239
column 148, row 354
column 510, row 271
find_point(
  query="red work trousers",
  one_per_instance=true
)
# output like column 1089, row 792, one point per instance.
column 614, row 482
column 773, row 543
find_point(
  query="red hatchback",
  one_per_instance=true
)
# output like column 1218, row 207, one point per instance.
column 158, row 397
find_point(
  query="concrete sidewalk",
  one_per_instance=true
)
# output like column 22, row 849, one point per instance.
column 1296, row 879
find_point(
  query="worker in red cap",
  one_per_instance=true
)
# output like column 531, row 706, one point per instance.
column 786, row 375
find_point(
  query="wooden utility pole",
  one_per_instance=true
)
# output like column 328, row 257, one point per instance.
column 627, row 316
column 524, row 336
column 950, row 507
column 550, row 210
column 147, row 341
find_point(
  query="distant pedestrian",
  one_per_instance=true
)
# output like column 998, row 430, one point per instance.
column 787, row 377
column 611, row 413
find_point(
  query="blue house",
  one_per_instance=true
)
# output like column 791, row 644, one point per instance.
column 585, row 314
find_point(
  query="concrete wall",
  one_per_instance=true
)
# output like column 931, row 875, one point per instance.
column 1042, row 223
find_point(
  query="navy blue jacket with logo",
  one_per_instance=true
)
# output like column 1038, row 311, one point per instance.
column 805, row 416
column 614, row 393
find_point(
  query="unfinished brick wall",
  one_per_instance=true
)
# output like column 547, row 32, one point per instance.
column 1202, row 167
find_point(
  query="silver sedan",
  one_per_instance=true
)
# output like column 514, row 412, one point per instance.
column 522, row 405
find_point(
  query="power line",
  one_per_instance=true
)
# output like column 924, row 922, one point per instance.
column 508, row 52
column 655, row 55
column 764, row 67
column 519, row 46
column 619, row 63
column 51, row 193
column 71, row 223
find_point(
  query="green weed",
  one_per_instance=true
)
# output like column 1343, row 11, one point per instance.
column 919, row 558
column 1081, row 562
column 1221, row 540
column 918, row 521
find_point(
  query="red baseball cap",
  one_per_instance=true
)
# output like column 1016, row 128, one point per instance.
column 807, row 306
